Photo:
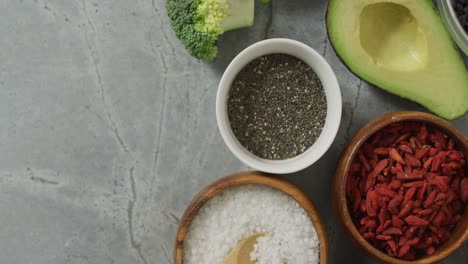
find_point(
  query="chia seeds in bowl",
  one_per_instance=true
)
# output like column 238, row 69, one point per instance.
column 286, row 159
column 461, row 9
column 277, row 106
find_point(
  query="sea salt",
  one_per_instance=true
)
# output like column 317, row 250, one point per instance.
column 242, row 211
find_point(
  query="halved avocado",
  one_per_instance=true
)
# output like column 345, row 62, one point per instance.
column 402, row 47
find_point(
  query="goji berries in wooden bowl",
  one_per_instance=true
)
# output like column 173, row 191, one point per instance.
column 401, row 188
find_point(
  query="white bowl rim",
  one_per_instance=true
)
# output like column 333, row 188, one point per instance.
column 333, row 97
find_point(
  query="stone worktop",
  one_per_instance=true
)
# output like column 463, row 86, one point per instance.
column 108, row 127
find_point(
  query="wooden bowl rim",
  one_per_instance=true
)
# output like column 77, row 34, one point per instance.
column 256, row 178
column 339, row 184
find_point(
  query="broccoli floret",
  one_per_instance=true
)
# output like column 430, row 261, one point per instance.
column 198, row 23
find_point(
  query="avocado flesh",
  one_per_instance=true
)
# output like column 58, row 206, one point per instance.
column 402, row 47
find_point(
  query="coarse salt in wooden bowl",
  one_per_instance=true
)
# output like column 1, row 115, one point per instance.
column 245, row 178
column 457, row 237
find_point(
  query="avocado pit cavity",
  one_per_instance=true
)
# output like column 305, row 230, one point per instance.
column 392, row 37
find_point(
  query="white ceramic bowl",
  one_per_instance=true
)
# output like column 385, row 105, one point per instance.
column 332, row 92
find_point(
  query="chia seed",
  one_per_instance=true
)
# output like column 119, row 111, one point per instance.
column 461, row 8
column 277, row 106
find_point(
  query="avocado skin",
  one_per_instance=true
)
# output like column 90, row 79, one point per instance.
column 427, row 106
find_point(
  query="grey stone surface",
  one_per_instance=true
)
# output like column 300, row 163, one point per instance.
column 108, row 127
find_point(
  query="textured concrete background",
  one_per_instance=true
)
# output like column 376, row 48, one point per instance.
column 108, row 127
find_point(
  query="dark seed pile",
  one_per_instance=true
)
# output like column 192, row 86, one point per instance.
column 461, row 8
column 277, row 106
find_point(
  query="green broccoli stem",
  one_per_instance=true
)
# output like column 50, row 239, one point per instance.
column 240, row 14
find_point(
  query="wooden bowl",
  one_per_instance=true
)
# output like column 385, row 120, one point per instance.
column 459, row 234
column 249, row 178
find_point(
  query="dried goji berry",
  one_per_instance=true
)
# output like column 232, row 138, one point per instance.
column 409, row 195
column 428, row 163
column 364, row 220
column 422, row 191
column 418, row 144
column 454, row 155
column 412, row 161
column 383, row 237
column 395, row 170
column 377, row 170
column 446, row 170
column 372, row 224
column 408, row 176
column 413, row 241
column 405, row 148
column 455, row 185
column 370, row 181
column 433, row 215
column 356, row 200
column 387, row 224
column 464, row 189
column 412, row 229
column 395, row 184
column 425, row 212
column 405, row 209
column 422, row 153
column 396, row 156
column 416, row 184
column 372, row 203
column 403, row 250
column 416, row 210
column 413, row 144
column 435, row 238
column 436, row 163
column 384, row 190
column 392, row 231
column 428, row 240
column 401, row 138
column 392, row 244
column 364, row 162
column 416, row 221
column 402, row 241
column 454, row 165
column 430, row 199
column 439, row 219
column 430, row 250
column 379, row 229
column 397, row 222
column 382, row 201
column 433, row 151
column 423, row 133
column 369, row 236
column 383, row 216
column 363, row 206
column 362, row 229
column 395, row 203
column 381, row 151
column 442, row 233
column 439, row 182
column 440, row 197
